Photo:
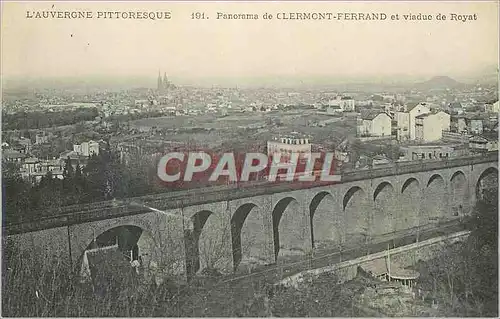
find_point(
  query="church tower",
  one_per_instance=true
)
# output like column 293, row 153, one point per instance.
column 166, row 84
column 160, row 83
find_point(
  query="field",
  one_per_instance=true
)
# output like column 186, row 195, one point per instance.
column 245, row 130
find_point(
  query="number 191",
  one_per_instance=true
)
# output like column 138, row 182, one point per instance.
column 198, row 15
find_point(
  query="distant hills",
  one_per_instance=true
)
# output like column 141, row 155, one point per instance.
column 439, row 82
column 339, row 83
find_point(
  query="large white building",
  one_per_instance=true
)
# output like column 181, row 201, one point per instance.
column 429, row 127
column 406, row 120
column 374, row 123
column 286, row 146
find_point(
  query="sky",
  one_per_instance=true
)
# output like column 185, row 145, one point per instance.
column 187, row 48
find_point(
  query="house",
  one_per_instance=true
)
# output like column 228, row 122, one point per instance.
column 333, row 109
column 374, row 123
column 30, row 166
column 342, row 151
column 415, row 110
column 476, row 126
column 41, row 138
column 402, row 128
column 459, row 124
column 429, row 127
column 141, row 103
column 87, row 148
column 491, row 107
column 13, row 156
column 345, row 103
column 421, row 152
column 54, row 166
column 22, row 144
column 456, row 108
column 484, row 143
column 398, row 106
column 74, row 158
column 380, row 160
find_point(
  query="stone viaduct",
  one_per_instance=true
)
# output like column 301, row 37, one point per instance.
column 225, row 228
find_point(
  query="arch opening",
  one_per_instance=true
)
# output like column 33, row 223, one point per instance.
column 113, row 256
column 241, row 246
column 384, row 209
column 434, row 201
column 349, row 195
column 487, row 185
column 287, row 230
column 192, row 239
column 459, row 195
column 410, row 181
column 384, row 186
column 356, row 208
column 433, row 178
column 410, row 204
column 323, row 220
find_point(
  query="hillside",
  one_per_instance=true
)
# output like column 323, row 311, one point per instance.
column 439, row 82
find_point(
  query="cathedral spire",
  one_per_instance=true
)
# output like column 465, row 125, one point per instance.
column 160, row 83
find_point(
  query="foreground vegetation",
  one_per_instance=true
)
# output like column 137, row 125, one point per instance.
column 464, row 278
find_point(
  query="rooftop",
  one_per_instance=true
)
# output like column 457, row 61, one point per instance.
column 429, row 114
column 413, row 105
column 371, row 114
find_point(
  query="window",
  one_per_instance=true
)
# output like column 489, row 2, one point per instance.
column 430, row 155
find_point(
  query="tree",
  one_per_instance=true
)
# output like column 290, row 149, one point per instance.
column 68, row 171
column 15, row 192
